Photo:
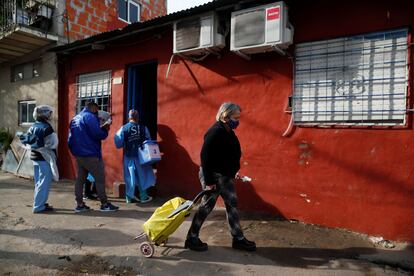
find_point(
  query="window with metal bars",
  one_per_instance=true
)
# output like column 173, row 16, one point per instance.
column 94, row 87
column 357, row 80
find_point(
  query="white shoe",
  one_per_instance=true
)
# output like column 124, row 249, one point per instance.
column 148, row 199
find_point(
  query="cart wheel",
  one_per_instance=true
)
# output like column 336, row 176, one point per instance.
column 147, row 249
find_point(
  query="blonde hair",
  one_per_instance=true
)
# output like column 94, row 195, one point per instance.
column 226, row 110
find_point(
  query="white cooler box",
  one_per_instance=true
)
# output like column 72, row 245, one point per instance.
column 150, row 153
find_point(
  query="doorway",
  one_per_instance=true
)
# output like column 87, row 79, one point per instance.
column 142, row 94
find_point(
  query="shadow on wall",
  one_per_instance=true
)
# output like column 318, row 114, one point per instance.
column 176, row 172
column 251, row 202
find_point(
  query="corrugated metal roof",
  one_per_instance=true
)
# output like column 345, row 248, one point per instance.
column 145, row 25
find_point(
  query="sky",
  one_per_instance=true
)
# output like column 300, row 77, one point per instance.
column 178, row 5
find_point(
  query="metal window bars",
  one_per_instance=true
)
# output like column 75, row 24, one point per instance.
column 30, row 13
column 94, row 87
column 358, row 80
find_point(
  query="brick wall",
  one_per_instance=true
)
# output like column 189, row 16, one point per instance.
column 90, row 17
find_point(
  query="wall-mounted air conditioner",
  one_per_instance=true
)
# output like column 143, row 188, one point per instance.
column 197, row 35
column 261, row 29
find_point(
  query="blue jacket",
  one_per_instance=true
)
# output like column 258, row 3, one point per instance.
column 35, row 137
column 130, row 136
column 85, row 135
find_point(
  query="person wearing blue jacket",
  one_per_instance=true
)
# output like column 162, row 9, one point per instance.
column 84, row 142
column 43, row 142
column 131, row 136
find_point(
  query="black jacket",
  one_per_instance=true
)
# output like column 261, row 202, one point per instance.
column 220, row 153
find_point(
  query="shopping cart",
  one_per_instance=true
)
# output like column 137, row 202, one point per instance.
column 165, row 220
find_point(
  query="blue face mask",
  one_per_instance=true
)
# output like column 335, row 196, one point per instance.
column 233, row 124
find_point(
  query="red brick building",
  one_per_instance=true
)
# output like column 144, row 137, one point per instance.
column 90, row 17
column 326, row 127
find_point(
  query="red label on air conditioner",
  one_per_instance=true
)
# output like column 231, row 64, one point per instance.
column 273, row 13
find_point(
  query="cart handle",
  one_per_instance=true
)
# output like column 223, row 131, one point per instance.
column 201, row 194
column 188, row 205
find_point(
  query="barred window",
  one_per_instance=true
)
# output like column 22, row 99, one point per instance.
column 357, row 80
column 94, row 87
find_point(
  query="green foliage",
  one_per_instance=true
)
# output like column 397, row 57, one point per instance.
column 5, row 138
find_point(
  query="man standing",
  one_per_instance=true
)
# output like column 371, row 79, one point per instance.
column 84, row 141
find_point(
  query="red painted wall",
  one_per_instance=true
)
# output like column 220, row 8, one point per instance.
column 90, row 17
column 360, row 179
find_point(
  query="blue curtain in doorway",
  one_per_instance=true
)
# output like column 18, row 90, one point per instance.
column 135, row 93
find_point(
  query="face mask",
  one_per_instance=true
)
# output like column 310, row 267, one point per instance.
column 233, row 124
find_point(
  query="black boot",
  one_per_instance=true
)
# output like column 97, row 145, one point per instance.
column 195, row 244
column 244, row 244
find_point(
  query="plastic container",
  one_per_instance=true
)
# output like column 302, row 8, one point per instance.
column 150, row 153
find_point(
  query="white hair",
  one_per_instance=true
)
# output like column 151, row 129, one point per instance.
column 226, row 110
column 42, row 112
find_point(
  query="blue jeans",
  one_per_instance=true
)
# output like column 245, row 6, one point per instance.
column 43, row 180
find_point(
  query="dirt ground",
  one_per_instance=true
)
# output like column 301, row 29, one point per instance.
column 95, row 243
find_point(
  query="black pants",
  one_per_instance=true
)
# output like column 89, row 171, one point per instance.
column 90, row 188
column 96, row 167
column 225, row 189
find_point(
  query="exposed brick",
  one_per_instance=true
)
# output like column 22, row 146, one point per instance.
column 74, row 27
column 88, row 17
column 89, row 10
column 82, row 20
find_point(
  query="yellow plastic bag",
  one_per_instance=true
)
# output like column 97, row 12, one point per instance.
column 159, row 227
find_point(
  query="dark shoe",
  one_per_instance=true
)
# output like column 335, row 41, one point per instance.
column 82, row 208
column 108, row 207
column 244, row 244
column 195, row 244
column 47, row 205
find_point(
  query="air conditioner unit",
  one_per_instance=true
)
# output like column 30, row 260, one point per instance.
column 197, row 35
column 261, row 29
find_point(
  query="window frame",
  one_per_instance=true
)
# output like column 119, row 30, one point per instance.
column 366, row 123
column 128, row 19
column 105, row 82
column 22, row 69
column 20, row 119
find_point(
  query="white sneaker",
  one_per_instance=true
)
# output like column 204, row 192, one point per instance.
column 148, row 199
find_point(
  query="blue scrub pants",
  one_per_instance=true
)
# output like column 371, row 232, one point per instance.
column 131, row 178
column 43, row 180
